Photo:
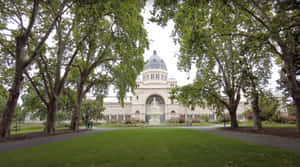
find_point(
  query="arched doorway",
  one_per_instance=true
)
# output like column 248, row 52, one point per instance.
column 155, row 110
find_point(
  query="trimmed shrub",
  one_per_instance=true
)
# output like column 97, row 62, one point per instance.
column 205, row 118
column 196, row 121
column 221, row 118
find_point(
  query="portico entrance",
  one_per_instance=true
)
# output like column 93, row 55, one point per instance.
column 155, row 110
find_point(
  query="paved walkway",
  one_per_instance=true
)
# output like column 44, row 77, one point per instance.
column 290, row 144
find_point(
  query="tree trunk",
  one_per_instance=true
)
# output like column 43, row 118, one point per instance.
column 256, row 120
column 297, row 106
column 14, row 91
column 51, row 116
column 232, row 112
column 76, row 114
column 233, row 120
column 294, row 89
column 11, row 104
column 256, row 111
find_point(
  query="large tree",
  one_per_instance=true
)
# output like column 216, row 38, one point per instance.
column 204, row 38
column 54, row 65
column 280, row 28
column 25, row 26
column 257, row 64
column 276, row 23
column 112, row 52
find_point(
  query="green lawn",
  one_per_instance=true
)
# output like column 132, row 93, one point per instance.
column 268, row 124
column 162, row 125
column 28, row 128
column 150, row 148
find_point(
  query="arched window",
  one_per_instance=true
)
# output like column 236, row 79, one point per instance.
column 137, row 112
column 173, row 112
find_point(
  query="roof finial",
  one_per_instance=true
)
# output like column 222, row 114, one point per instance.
column 154, row 52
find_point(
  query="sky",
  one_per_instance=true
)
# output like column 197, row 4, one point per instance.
column 160, row 40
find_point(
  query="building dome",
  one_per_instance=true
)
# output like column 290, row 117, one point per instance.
column 155, row 62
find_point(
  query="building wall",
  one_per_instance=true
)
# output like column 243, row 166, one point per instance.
column 136, row 108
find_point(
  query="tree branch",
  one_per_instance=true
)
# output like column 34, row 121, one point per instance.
column 47, row 73
column 35, row 88
column 255, row 17
column 32, row 18
column 7, row 49
column 44, row 80
column 45, row 37
column 220, row 100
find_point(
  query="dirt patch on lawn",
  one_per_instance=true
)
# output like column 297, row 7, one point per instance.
column 283, row 132
column 37, row 135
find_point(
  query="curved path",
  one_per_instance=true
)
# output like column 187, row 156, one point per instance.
column 291, row 144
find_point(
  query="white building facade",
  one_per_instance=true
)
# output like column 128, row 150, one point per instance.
column 151, row 103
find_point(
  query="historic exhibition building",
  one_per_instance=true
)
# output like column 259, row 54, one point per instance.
column 151, row 103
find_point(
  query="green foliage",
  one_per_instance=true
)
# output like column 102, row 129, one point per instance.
column 186, row 95
column 62, row 116
column 19, row 114
column 92, row 110
column 244, row 114
column 221, row 118
column 205, row 34
column 205, row 117
column 269, row 106
column 291, row 109
column 113, row 50
column 3, row 97
column 66, row 103
column 32, row 104
column 236, row 39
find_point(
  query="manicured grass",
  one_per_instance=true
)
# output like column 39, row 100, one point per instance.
column 268, row 124
column 162, row 125
column 150, row 148
column 28, row 128
column 117, row 125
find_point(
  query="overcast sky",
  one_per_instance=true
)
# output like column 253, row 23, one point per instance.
column 160, row 40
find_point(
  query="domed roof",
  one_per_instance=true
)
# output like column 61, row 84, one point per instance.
column 155, row 62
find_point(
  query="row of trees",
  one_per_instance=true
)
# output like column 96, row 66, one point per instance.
column 48, row 47
column 232, row 44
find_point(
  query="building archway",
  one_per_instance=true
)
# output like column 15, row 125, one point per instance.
column 155, row 110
